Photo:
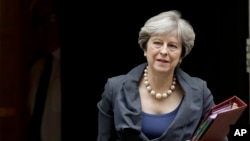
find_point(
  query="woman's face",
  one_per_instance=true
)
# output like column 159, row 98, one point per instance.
column 163, row 52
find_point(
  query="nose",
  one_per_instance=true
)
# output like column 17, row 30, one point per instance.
column 164, row 50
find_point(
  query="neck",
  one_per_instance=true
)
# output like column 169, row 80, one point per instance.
column 156, row 93
column 160, row 81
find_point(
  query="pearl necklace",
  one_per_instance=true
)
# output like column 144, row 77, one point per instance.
column 153, row 92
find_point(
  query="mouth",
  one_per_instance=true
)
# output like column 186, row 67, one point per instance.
column 162, row 60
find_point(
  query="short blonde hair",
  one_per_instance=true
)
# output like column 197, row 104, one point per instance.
column 166, row 23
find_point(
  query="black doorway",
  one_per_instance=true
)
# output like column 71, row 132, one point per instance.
column 101, row 41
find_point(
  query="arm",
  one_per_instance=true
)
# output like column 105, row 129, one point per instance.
column 208, row 102
column 106, row 128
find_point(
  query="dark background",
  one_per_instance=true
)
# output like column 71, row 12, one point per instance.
column 99, row 40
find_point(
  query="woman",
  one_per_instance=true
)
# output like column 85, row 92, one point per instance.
column 156, row 100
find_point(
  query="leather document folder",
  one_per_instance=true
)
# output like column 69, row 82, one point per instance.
column 216, row 125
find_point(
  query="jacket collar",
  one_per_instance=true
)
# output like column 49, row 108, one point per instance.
column 135, row 75
column 132, row 115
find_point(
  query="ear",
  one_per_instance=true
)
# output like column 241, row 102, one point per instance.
column 145, row 52
column 180, row 60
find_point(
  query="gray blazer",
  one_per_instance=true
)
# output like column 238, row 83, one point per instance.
column 119, row 117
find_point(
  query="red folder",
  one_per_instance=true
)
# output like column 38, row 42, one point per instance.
column 216, row 125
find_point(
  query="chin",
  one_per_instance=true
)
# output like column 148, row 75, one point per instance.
column 162, row 68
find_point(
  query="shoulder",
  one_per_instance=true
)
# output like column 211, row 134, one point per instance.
column 192, row 81
column 134, row 74
column 116, row 80
column 196, row 90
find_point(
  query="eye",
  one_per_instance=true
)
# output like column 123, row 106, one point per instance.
column 172, row 46
column 157, row 43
